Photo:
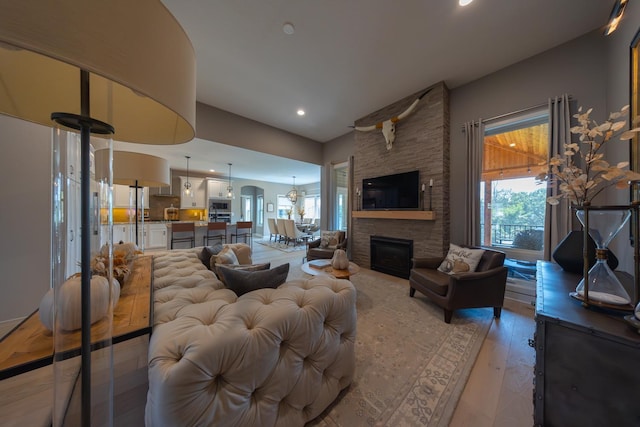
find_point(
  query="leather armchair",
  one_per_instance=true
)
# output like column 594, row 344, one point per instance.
column 484, row 287
column 314, row 251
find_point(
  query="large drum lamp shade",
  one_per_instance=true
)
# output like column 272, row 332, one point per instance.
column 129, row 168
column 141, row 65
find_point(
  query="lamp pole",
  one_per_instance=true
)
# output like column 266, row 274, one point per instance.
column 86, row 125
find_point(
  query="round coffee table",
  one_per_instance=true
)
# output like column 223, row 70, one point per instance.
column 323, row 267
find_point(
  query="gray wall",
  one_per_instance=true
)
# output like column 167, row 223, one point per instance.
column 221, row 126
column 338, row 149
column 25, row 174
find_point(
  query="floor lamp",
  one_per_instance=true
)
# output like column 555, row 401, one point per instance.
column 100, row 68
column 136, row 170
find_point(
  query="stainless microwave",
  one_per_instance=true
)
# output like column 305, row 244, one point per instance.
column 219, row 205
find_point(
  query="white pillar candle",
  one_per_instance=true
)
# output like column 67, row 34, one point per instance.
column 431, row 182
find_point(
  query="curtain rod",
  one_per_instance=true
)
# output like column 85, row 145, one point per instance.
column 513, row 113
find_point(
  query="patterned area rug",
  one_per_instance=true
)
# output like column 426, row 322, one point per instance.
column 281, row 246
column 411, row 367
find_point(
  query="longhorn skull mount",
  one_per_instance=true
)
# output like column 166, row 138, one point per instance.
column 389, row 126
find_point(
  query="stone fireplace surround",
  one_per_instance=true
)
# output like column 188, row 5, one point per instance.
column 422, row 143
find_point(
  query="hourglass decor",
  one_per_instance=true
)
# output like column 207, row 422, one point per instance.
column 600, row 286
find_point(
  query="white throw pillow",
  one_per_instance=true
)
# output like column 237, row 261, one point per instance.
column 461, row 260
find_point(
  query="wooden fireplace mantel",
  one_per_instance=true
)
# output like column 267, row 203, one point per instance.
column 415, row 215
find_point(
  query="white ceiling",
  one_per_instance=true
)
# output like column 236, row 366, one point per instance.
column 347, row 59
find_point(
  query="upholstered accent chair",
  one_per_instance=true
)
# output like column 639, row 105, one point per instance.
column 317, row 249
column 484, row 287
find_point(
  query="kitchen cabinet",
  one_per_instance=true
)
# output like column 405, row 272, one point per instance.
column 155, row 236
column 586, row 371
column 197, row 200
column 217, row 189
column 122, row 232
column 121, row 196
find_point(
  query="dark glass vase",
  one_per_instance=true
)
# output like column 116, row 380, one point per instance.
column 568, row 253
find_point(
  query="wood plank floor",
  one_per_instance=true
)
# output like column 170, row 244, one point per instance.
column 498, row 393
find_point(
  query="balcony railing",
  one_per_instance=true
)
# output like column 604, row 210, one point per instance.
column 516, row 236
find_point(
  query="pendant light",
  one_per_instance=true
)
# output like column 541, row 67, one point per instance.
column 187, row 184
column 293, row 194
column 229, row 187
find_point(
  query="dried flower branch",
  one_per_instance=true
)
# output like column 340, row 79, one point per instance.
column 580, row 185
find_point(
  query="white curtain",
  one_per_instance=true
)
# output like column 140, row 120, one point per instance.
column 557, row 223
column 474, row 134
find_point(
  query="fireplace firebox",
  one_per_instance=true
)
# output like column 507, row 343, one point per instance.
column 391, row 256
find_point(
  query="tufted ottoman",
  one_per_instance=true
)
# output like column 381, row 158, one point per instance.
column 272, row 357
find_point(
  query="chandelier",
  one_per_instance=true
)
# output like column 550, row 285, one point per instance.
column 187, row 184
column 293, row 194
column 229, row 187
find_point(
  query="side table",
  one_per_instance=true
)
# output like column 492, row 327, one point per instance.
column 323, row 267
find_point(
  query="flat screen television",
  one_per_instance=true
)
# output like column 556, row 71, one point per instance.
column 392, row 192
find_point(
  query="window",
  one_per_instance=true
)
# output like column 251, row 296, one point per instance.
column 312, row 206
column 512, row 204
column 284, row 206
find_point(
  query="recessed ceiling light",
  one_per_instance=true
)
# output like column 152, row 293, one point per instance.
column 301, row 112
column 513, row 144
column 212, row 170
column 288, row 28
column 464, row 2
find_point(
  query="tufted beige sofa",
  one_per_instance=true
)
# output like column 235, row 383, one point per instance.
column 272, row 357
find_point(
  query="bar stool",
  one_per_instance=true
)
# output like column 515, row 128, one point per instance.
column 215, row 231
column 244, row 229
column 183, row 232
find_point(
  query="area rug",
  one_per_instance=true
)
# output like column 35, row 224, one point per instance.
column 281, row 246
column 411, row 367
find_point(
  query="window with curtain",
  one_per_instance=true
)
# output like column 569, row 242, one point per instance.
column 341, row 209
column 512, row 203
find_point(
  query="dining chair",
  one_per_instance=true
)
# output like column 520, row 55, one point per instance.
column 273, row 229
column 294, row 233
column 215, row 231
column 282, row 231
column 244, row 229
column 183, row 232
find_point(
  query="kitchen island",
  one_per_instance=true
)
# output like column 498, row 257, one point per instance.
column 201, row 231
column 157, row 234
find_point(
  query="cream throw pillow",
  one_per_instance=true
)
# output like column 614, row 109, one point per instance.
column 226, row 256
column 460, row 260
column 329, row 239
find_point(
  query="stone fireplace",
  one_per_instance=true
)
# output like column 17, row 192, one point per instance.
column 391, row 256
column 422, row 144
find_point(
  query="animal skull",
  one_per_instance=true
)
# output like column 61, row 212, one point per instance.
column 389, row 132
column 389, row 126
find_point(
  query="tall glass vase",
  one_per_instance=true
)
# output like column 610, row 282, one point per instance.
column 82, row 373
column 602, row 286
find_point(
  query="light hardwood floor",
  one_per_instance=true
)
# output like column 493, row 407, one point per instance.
column 499, row 391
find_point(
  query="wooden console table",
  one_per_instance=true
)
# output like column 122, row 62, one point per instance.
column 30, row 345
column 586, row 371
